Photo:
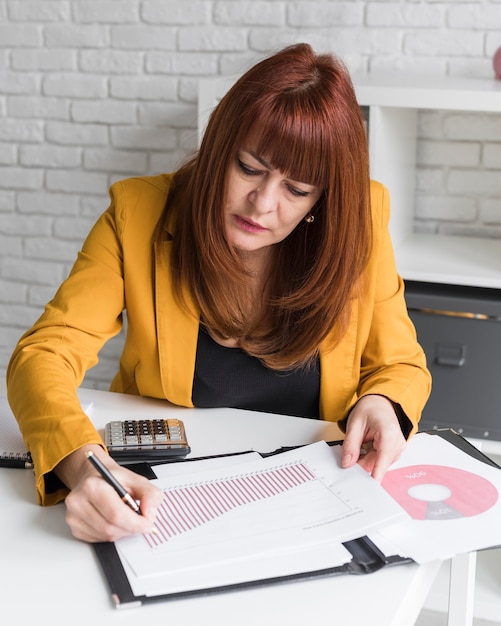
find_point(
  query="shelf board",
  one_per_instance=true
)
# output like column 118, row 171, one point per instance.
column 451, row 260
column 401, row 90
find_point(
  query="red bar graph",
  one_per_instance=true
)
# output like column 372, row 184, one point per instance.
column 185, row 508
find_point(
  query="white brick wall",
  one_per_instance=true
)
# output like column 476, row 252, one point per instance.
column 96, row 90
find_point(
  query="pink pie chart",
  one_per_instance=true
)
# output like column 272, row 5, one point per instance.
column 436, row 492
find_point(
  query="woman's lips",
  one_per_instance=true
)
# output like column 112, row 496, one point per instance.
column 248, row 225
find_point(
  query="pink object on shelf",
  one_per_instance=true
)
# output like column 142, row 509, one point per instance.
column 496, row 62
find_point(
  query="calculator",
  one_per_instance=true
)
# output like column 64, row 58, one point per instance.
column 150, row 440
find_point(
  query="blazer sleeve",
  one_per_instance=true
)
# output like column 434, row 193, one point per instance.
column 51, row 358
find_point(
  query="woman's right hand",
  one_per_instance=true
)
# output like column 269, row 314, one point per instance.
column 94, row 511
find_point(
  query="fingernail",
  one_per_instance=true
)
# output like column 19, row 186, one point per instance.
column 346, row 459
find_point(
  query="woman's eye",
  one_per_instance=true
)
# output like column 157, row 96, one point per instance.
column 300, row 193
column 246, row 169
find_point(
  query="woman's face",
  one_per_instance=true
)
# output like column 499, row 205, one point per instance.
column 262, row 205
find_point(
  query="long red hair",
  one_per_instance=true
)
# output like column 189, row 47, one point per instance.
column 303, row 108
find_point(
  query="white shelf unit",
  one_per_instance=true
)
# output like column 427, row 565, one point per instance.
column 394, row 102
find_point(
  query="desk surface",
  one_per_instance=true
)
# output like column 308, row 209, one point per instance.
column 45, row 572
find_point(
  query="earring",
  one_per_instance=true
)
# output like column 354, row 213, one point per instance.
column 309, row 218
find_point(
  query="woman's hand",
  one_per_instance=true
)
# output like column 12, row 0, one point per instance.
column 374, row 427
column 94, row 511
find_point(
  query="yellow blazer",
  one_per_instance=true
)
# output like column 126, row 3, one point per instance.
column 119, row 269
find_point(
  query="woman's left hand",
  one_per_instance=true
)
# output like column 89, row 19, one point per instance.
column 374, row 427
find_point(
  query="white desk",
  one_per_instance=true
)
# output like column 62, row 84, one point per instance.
column 45, row 573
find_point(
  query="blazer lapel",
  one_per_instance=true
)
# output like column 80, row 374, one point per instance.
column 177, row 333
column 340, row 371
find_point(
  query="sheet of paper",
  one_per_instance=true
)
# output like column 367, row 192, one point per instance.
column 272, row 516
column 453, row 501
column 180, row 471
column 260, row 567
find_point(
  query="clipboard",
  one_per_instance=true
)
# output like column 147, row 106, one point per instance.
column 366, row 556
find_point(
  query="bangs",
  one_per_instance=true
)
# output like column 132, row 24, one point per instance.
column 297, row 145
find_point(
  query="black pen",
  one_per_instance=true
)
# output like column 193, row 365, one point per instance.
column 111, row 480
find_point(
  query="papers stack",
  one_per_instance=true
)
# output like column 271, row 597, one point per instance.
column 245, row 520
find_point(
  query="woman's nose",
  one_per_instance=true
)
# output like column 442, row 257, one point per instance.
column 265, row 197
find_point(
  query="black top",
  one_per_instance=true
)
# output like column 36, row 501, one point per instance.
column 229, row 377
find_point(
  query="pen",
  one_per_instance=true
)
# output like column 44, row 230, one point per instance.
column 111, row 480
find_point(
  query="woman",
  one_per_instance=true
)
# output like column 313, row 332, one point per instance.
column 260, row 275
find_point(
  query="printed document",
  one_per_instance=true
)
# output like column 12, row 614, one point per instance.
column 251, row 518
